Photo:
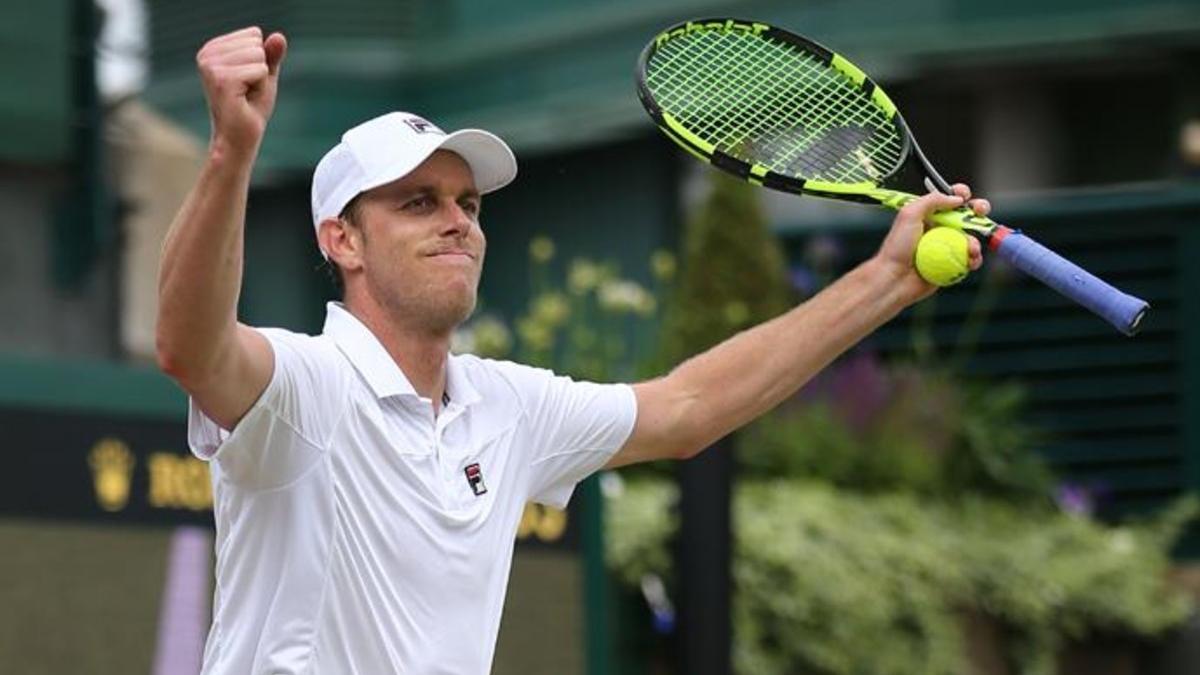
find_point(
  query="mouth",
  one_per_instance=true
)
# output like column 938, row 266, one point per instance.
column 452, row 254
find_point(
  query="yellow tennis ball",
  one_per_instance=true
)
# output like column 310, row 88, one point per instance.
column 942, row 256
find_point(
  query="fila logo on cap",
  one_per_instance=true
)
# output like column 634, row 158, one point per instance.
column 475, row 479
column 423, row 126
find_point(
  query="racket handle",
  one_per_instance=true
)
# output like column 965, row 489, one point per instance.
column 1120, row 309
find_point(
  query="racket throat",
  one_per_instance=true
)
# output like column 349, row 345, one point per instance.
column 997, row 236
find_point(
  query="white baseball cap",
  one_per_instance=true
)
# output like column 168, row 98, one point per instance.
column 390, row 146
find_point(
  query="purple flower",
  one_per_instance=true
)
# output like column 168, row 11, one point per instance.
column 1075, row 498
column 859, row 389
column 803, row 280
column 823, row 252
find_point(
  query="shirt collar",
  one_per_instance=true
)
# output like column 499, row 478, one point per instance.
column 378, row 368
column 458, row 383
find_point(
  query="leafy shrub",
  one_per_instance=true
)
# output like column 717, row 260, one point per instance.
column 832, row 581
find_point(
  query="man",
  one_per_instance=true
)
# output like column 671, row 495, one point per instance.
column 368, row 484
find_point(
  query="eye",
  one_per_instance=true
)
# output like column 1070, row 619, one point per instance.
column 470, row 207
column 419, row 204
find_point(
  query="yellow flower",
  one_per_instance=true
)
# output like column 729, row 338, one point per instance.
column 535, row 334
column 492, row 337
column 662, row 264
column 551, row 309
column 736, row 313
column 583, row 276
column 541, row 249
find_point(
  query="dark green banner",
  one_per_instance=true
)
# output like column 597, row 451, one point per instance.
column 126, row 469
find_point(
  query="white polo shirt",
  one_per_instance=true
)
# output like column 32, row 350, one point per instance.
column 356, row 533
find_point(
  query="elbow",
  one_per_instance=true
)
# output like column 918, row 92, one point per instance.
column 167, row 357
column 687, row 450
column 173, row 360
column 686, row 435
column 698, row 425
column 674, row 421
column 696, row 446
column 689, row 440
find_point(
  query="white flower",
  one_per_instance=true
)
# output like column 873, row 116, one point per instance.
column 485, row 336
column 625, row 296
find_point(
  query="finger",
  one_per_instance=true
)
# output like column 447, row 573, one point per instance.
column 217, row 53
column 980, row 206
column 248, row 74
column 276, row 49
column 934, row 201
column 974, row 253
column 250, row 54
column 962, row 190
column 247, row 34
column 254, row 31
column 235, row 44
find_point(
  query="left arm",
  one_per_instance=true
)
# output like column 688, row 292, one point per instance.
column 711, row 394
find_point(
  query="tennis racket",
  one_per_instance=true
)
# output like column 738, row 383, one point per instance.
column 782, row 111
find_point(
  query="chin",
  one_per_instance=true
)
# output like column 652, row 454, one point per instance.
column 453, row 312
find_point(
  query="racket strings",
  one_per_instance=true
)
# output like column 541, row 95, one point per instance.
column 771, row 103
column 849, row 131
column 751, row 113
column 735, row 106
column 738, row 68
column 734, row 98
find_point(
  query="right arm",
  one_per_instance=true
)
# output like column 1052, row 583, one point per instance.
column 221, row 363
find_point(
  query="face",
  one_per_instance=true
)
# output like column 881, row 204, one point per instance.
column 420, row 249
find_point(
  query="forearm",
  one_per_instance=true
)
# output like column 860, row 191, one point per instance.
column 201, row 272
column 743, row 377
column 718, row 391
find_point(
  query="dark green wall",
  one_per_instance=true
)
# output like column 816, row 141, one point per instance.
column 550, row 75
column 35, row 101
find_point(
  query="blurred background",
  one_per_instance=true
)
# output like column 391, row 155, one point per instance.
column 996, row 482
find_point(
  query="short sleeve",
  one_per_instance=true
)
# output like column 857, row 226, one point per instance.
column 575, row 428
column 287, row 429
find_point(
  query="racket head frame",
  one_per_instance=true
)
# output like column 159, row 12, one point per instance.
column 1123, row 311
column 757, row 173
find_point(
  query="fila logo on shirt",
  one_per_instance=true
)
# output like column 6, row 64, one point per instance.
column 475, row 479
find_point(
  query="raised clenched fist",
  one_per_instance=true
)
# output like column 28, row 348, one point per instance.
column 240, row 72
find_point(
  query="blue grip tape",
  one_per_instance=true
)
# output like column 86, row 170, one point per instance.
column 1120, row 309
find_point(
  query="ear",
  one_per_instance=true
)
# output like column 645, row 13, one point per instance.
column 341, row 242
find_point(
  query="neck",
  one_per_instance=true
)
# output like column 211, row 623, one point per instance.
column 420, row 356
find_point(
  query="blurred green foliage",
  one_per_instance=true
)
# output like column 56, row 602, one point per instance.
column 589, row 322
column 836, row 581
column 868, row 426
column 732, row 273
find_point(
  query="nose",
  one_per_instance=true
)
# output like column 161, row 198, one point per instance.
column 459, row 222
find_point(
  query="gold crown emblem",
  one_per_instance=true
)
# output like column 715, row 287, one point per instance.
column 112, row 463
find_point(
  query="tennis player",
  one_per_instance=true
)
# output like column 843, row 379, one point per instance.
column 368, row 483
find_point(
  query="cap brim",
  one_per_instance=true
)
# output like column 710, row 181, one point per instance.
column 490, row 158
column 492, row 162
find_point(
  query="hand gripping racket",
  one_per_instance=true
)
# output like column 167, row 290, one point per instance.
column 782, row 111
